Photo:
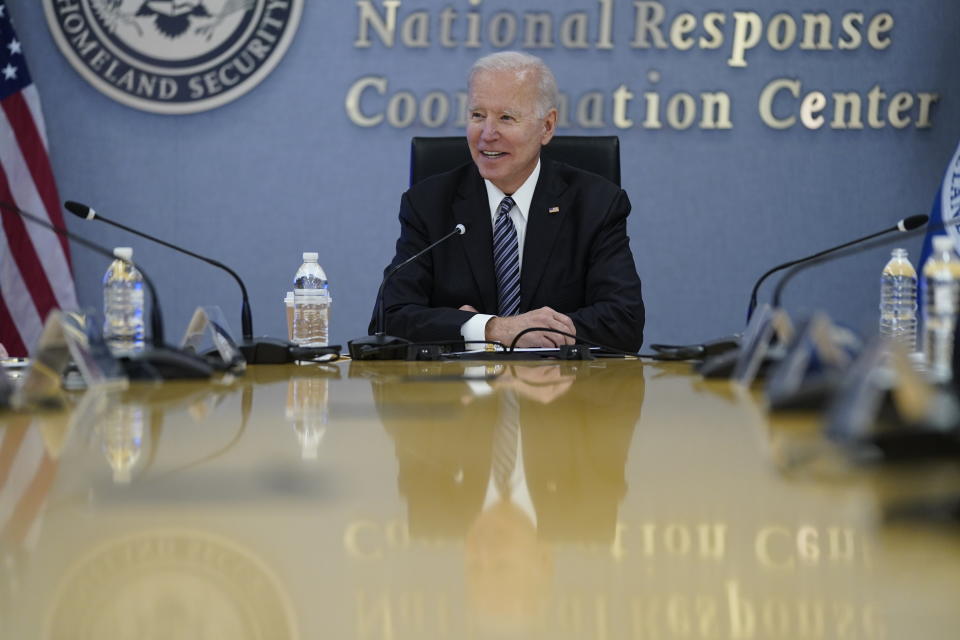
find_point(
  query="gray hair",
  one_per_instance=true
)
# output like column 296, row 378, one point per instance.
column 521, row 64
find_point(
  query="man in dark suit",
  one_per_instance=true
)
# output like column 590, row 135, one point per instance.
column 546, row 244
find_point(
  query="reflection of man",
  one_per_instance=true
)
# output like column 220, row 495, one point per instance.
column 536, row 458
column 546, row 244
column 574, row 435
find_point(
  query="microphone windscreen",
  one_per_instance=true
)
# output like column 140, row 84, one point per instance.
column 79, row 210
column 913, row 222
column 461, row 229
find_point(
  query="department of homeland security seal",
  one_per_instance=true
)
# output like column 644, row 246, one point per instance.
column 950, row 198
column 173, row 56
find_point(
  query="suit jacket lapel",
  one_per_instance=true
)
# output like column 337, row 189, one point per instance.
column 472, row 210
column 546, row 216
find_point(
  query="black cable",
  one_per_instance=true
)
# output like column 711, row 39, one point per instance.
column 578, row 339
column 443, row 343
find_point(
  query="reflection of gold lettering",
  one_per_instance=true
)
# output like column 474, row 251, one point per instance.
column 763, row 552
column 873, row 626
column 643, row 613
column 569, row 614
column 677, row 540
column 353, row 545
column 367, row 540
column 810, row 619
column 842, row 547
column 713, row 540
column 398, row 534
column 601, row 609
column 706, row 540
column 678, row 615
column 808, row 545
column 776, row 618
column 738, row 615
column 649, row 544
column 843, row 612
column 743, row 617
column 813, row 547
column 616, row 547
column 707, row 616
column 373, row 617
column 411, row 610
column 389, row 615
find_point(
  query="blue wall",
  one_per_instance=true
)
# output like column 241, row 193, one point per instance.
column 284, row 169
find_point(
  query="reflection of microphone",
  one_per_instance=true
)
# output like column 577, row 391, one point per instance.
column 262, row 351
column 907, row 224
column 159, row 359
column 374, row 347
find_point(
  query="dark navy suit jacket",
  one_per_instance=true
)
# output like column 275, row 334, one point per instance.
column 576, row 257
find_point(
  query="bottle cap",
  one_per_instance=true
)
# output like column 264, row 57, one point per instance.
column 310, row 256
column 124, row 253
column 943, row 243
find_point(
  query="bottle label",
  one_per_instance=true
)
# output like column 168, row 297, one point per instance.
column 943, row 298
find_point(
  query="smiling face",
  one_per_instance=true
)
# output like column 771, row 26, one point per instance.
column 505, row 129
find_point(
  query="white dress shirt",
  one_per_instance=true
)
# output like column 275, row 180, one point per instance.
column 475, row 328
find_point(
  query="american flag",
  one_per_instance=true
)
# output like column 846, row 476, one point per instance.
column 35, row 271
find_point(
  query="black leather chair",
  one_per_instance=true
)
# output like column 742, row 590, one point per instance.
column 597, row 154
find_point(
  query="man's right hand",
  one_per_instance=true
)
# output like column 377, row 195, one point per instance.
column 504, row 329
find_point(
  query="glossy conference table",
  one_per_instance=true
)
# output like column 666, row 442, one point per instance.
column 353, row 501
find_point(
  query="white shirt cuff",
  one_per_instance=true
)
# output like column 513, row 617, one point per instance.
column 474, row 330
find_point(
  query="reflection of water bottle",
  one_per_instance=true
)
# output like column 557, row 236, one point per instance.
column 121, row 440
column 307, row 410
column 941, row 275
column 311, row 304
column 123, row 305
column 898, row 301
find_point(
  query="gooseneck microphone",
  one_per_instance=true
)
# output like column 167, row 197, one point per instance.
column 907, row 224
column 917, row 226
column 87, row 213
column 259, row 351
column 375, row 347
column 160, row 360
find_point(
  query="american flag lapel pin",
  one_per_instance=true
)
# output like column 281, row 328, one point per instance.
column 553, row 210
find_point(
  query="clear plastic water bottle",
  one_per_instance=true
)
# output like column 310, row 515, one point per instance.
column 941, row 275
column 898, row 301
column 311, row 304
column 123, row 305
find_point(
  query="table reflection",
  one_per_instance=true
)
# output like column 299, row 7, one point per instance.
column 568, row 444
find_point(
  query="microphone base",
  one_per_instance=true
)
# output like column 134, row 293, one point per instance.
column 701, row 351
column 165, row 363
column 378, row 347
column 265, row 350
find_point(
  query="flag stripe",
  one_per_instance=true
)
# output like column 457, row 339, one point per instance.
column 33, row 102
column 23, row 251
column 9, row 336
column 33, row 152
column 22, row 191
column 27, row 324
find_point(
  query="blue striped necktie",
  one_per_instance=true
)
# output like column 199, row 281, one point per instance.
column 506, row 260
